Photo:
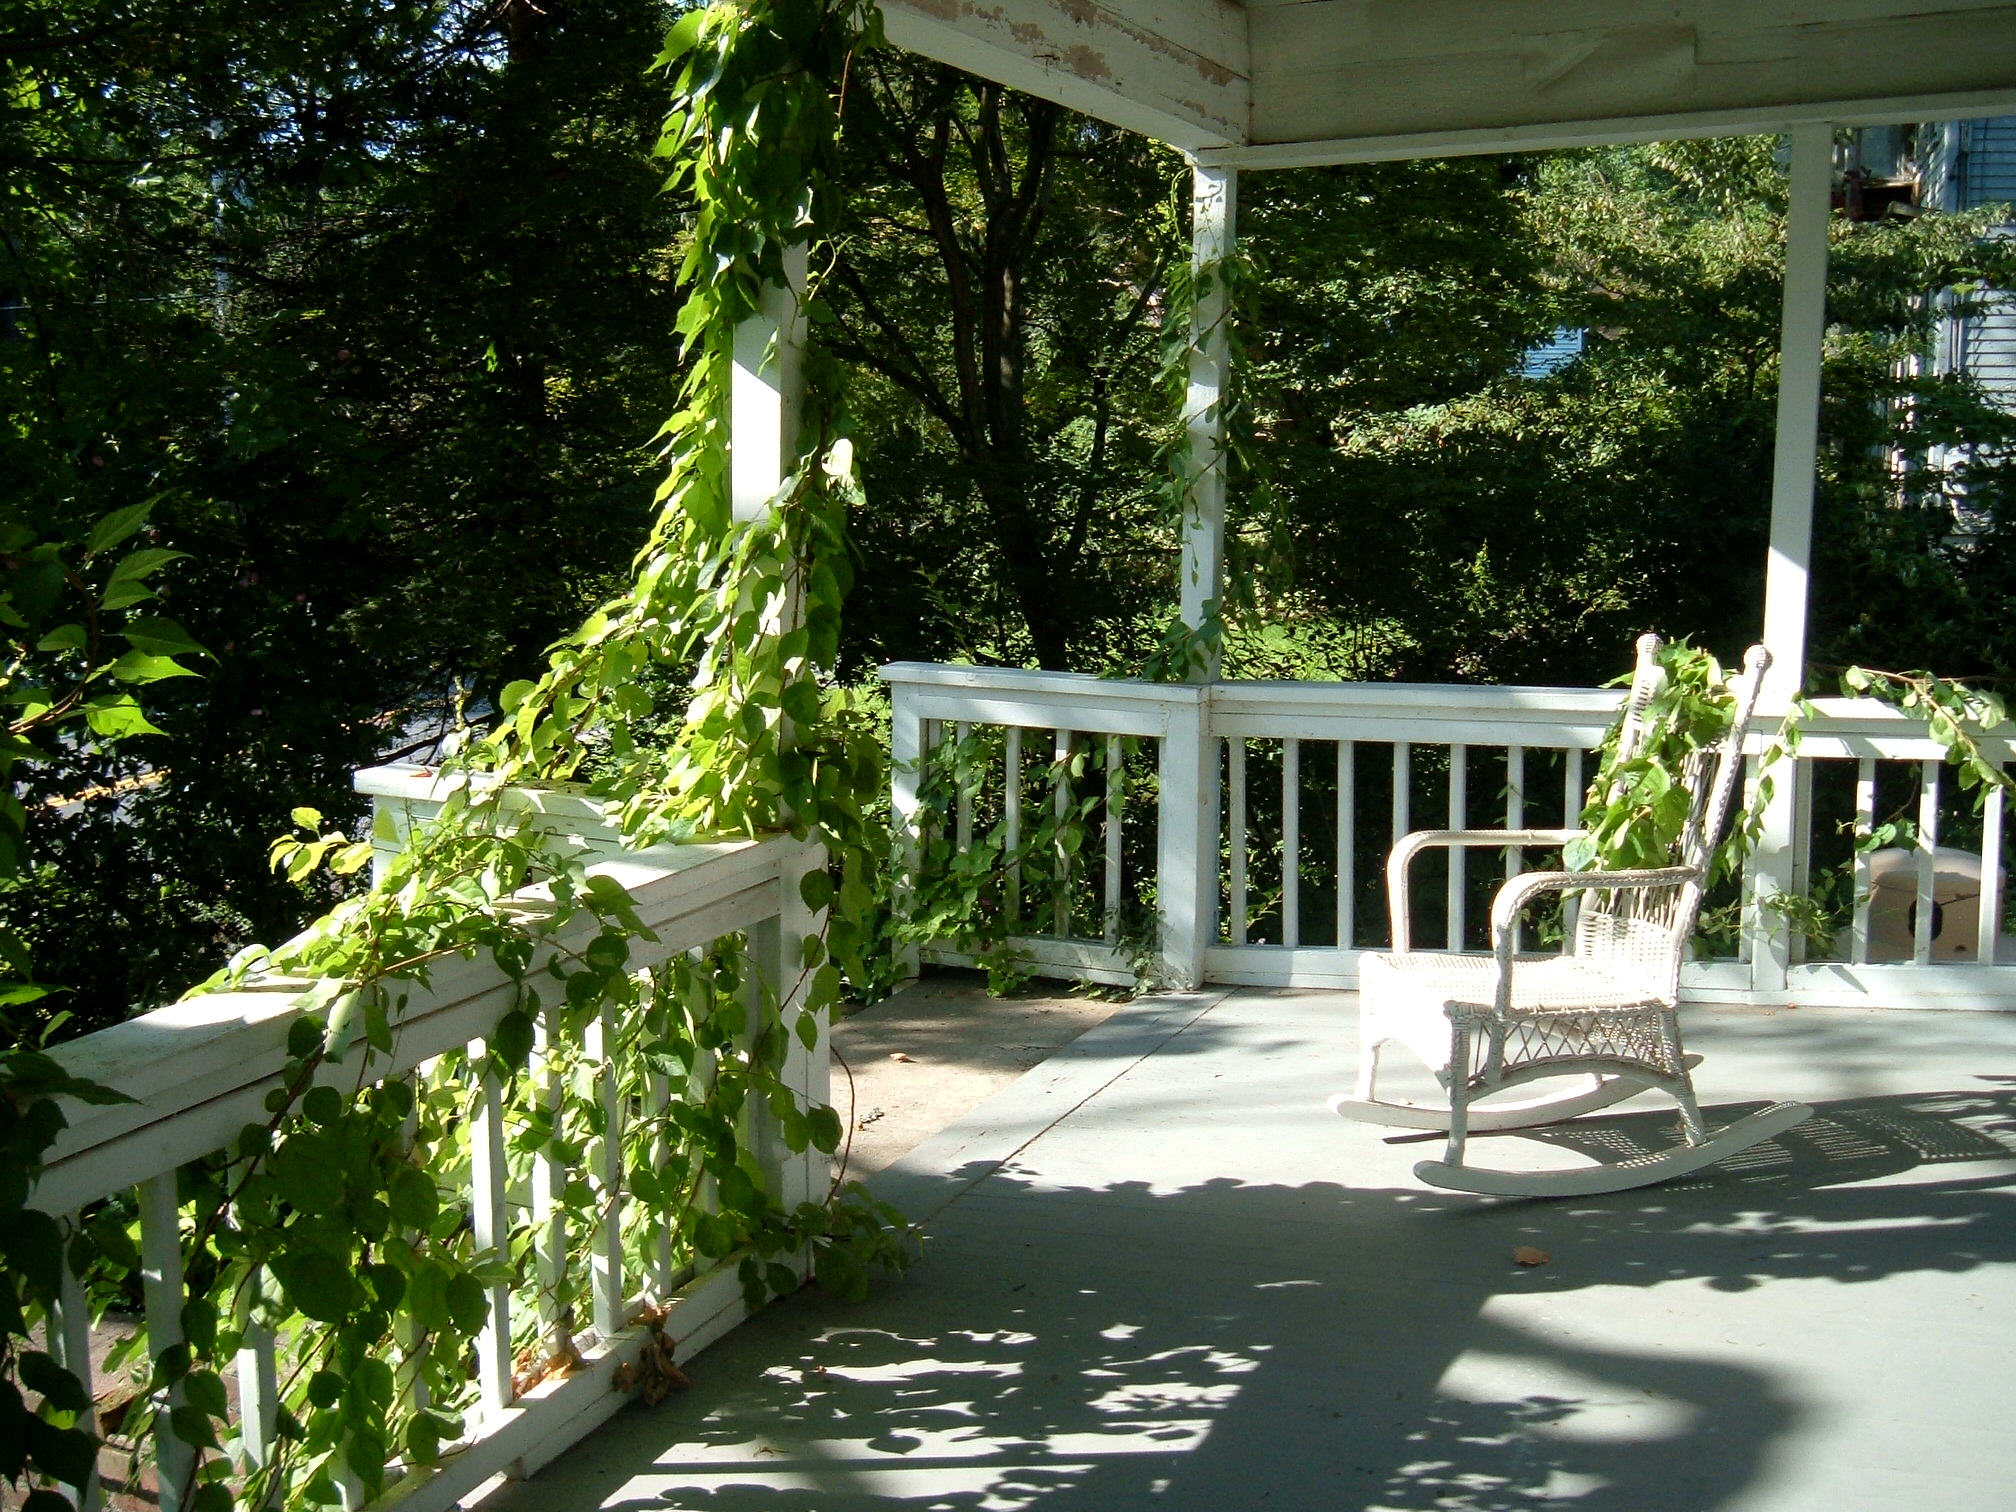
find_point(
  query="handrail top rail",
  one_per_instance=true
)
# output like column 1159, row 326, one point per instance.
column 207, row 1051
column 1242, row 690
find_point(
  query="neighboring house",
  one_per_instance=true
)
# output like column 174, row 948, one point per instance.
column 1963, row 166
column 1949, row 166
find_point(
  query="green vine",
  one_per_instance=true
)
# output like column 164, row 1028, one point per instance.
column 336, row 1228
column 82, row 635
column 1185, row 652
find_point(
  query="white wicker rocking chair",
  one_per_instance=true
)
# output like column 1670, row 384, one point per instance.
column 1603, row 1011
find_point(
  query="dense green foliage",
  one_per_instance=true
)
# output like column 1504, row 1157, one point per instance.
column 337, row 1227
column 376, row 301
column 1453, row 518
column 82, row 642
column 379, row 304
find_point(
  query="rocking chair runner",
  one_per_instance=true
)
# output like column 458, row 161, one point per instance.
column 1603, row 1011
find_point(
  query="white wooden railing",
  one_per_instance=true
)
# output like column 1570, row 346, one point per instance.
column 1326, row 774
column 199, row 1072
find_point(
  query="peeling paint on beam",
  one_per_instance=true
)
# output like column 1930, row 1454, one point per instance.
column 1171, row 69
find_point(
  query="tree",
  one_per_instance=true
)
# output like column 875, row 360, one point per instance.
column 1000, row 302
column 379, row 302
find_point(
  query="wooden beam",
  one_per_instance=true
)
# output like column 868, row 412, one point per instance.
column 1174, row 70
column 1413, row 76
column 1554, row 136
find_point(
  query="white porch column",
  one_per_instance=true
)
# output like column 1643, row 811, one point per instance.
column 1213, row 207
column 763, row 405
column 764, row 412
column 1774, row 865
column 1801, row 329
column 1187, row 863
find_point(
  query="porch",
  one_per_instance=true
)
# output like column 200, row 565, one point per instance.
column 1159, row 1272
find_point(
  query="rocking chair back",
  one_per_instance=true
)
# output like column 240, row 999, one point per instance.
column 1642, row 934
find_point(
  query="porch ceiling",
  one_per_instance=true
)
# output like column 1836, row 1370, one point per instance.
column 1273, row 84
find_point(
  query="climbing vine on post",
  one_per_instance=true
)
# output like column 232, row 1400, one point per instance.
column 334, row 1229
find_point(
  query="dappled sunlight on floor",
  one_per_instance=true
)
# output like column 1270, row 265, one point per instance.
column 1174, row 1280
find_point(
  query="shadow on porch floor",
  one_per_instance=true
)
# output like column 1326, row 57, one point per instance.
column 1161, row 1274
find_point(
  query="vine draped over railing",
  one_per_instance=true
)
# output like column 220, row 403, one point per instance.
column 342, row 1211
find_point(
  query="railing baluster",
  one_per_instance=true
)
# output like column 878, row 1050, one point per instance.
column 606, row 1266
column 161, row 1286
column 1990, row 930
column 1800, row 775
column 1347, row 844
column 1011, row 820
column 406, row 1330
column 259, row 1402
column 1459, row 813
column 664, row 1280
column 490, row 1220
column 1515, row 805
column 1114, row 800
column 70, row 1342
column 1060, row 882
column 1401, row 797
column 1573, row 792
column 1291, row 841
column 1400, row 793
column 1928, row 844
column 963, row 825
column 1865, row 822
column 1235, row 750
column 549, row 1184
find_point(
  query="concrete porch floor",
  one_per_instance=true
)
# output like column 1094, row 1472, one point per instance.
column 1160, row 1274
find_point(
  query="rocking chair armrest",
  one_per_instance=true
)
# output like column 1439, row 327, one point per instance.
column 1513, row 897
column 1413, row 843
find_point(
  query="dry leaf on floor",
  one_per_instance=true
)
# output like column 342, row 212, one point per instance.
column 1525, row 1254
column 898, row 1055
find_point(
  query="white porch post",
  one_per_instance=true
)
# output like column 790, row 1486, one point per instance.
column 763, row 403
column 1187, row 863
column 764, row 413
column 1213, row 209
column 1789, row 567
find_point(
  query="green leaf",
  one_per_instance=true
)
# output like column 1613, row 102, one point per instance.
column 137, row 666
column 141, row 564
column 204, row 1390
column 58, row 1387
column 118, row 718
column 316, row 1282
column 33, row 1244
column 468, row 1303
column 68, row 1454
column 325, row 1389
column 423, row 1439
column 322, row 1105
column 816, row 889
column 161, row 637
column 825, row 1129
column 413, row 1198
column 839, row 1270
column 193, row 1426
column 511, row 1041
column 118, row 526
column 427, row 1296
